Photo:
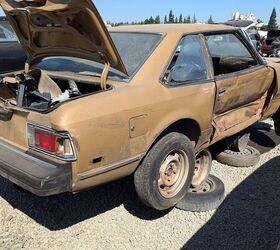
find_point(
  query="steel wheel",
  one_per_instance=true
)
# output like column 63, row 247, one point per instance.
column 202, row 167
column 205, row 187
column 208, row 196
column 164, row 176
column 173, row 173
column 245, row 158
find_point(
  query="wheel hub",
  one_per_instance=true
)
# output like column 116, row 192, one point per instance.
column 173, row 173
column 202, row 168
column 205, row 187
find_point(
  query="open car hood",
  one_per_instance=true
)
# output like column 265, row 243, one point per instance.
column 71, row 28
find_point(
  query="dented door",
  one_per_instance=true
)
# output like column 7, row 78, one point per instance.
column 242, row 83
column 240, row 99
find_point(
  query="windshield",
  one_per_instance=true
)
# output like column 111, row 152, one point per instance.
column 134, row 49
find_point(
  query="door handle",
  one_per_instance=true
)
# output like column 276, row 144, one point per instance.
column 222, row 90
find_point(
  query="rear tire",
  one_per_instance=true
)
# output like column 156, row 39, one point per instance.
column 164, row 176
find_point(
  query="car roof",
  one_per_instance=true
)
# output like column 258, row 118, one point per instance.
column 171, row 28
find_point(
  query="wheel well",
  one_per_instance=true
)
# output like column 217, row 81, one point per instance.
column 188, row 127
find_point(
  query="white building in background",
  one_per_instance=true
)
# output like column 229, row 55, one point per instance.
column 239, row 16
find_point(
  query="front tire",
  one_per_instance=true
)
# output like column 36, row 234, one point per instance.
column 165, row 175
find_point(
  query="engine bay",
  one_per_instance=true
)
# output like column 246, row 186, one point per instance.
column 38, row 91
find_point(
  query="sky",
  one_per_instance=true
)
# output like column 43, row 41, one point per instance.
column 221, row 10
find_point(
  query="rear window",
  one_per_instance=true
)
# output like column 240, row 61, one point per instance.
column 134, row 48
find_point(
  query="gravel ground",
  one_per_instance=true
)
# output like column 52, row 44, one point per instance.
column 111, row 216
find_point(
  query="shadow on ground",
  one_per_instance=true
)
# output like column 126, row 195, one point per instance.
column 263, row 137
column 62, row 211
column 249, row 218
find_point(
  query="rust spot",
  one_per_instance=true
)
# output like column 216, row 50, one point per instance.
column 250, row 113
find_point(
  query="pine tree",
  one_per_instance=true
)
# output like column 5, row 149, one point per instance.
column 171, row 17
column 194, row 19
column 147, row 21
column 181, row 18
column 157, row 20
column 176, row 20
column 165, row 19
column 272, row 24
column 151, row 20
column 210, row 20
column 188, row 19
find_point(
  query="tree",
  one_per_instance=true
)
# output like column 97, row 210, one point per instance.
column 165, row 19
column 157, row 20
column 272, row 24
column 194, row 19
column 171, row 17
column 210, row 20
column 187, row 19
column 181, row 18
column 151, row 20
column 176, row 20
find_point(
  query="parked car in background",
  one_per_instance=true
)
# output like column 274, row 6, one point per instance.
column 270, row 45
column 12, row 56
column 250, row 28
column 146, row 100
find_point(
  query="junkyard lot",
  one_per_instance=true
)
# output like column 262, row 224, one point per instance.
column 112, row 217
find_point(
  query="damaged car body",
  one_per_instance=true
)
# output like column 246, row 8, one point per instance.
column 92, row 106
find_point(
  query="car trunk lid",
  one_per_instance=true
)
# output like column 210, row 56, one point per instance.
column 71, row 28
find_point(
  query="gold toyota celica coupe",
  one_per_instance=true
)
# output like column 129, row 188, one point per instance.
column 92, row 106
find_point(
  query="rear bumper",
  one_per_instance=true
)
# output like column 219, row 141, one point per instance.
column 38, row 176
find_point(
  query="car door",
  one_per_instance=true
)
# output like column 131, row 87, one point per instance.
column 242, row 81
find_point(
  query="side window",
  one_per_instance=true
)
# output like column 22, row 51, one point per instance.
column 188, row 64
column 229, row 54
column 2, row 34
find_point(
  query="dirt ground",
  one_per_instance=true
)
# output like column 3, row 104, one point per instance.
column 112, row 217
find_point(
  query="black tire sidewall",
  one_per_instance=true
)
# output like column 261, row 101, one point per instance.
column 202, row 202
column 239, row 160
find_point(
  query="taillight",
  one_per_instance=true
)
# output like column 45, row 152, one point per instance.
column 51, row 142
